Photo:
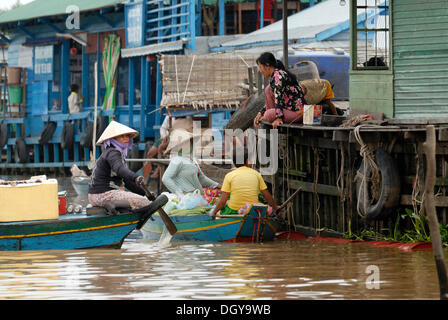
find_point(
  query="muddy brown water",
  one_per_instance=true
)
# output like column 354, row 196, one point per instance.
column 286, row 270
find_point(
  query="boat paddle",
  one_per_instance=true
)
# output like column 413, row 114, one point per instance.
column 287, row 201
column 170, row 226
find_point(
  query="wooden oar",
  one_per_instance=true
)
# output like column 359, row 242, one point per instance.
column 287, row 201
column 170, row 226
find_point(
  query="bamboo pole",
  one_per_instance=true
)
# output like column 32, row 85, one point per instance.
column 430, row 149
column 285, row 33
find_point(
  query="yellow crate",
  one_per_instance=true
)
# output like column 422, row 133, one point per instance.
column 29, row 201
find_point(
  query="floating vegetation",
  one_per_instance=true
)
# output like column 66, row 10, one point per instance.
column 408, row 227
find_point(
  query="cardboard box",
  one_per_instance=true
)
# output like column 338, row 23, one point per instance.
column 312, row 114
column 29, row 201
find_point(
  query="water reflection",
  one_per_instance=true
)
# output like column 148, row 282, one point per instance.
column 144, row 269
column 279, row 270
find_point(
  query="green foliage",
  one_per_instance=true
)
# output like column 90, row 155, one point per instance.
column 420, row 231
column 408, row 227
column 261, row 199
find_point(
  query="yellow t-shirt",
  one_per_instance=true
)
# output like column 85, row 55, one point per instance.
column 243, row 184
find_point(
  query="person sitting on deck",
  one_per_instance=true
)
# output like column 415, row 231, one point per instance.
column 288, row 97
column 242, row 185
column 111, row 172
column 183, row 174
column 319, row 91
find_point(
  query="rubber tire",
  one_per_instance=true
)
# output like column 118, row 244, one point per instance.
column 3, row 135
column 390, row 187
column 134, row 153
column 47, row 132
column 102, row 123
column 244, row 118
column 86, row 137
column 67, row 135
column 21, row 150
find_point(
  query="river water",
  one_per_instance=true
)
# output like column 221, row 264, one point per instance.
column 278, row 270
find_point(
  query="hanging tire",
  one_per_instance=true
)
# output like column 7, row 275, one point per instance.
column 244, row 118
column 21, row 150
column 389, row 195
column 86, row 137
column 102, row 123
column 134, row 153
column 3, row 135
column 47, row 132
column 67, row 135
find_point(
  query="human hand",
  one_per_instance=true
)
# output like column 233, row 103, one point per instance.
column 277, row 122
column 140, row 180
column 257, row 119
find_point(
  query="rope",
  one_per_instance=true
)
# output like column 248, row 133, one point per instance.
column 366, row 152
column 340, row 182
column 286, row 165
column 416, row 190
column 188, row 80
column 315, row 194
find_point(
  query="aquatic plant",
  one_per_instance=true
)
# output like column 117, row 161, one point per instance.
column 408, row 227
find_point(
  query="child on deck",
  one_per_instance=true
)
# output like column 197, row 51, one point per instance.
column 75, row 103
column 243, row 185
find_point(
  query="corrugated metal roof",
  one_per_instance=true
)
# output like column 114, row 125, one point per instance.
column 213, row 2
column 306, row 24
column 46, row 8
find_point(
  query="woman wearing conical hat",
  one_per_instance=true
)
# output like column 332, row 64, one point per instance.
column 183, row 174
column 111, row 172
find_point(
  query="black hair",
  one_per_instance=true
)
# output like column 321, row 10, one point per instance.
column 74, row 87
column 237, row 160
column 268, row 59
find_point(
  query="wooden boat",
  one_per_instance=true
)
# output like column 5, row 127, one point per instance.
column 81, row 185
column 253, row 226
column 68, row 232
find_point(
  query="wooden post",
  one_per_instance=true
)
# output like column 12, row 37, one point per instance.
column 251, row 80
column 240, row 15
column 285, row 34
column 430, row 150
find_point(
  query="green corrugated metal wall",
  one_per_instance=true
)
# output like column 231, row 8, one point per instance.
column 420, row 58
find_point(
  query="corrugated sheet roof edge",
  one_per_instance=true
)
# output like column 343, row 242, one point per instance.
column 41, row 8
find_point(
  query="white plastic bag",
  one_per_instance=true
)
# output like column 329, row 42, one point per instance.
column 192, row 200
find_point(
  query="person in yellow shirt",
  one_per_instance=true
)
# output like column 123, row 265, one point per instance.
column 242, row 185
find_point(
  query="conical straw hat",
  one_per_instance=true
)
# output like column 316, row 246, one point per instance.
column 177, row 138
column 115, row 129
column 180, row 136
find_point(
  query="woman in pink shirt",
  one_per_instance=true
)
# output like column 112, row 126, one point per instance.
column 284, row 96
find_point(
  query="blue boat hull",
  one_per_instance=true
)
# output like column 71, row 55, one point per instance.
column 67, row 233
column 202, row 227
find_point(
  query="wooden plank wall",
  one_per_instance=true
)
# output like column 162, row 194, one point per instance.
column 324, row 165
column 420, row 58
